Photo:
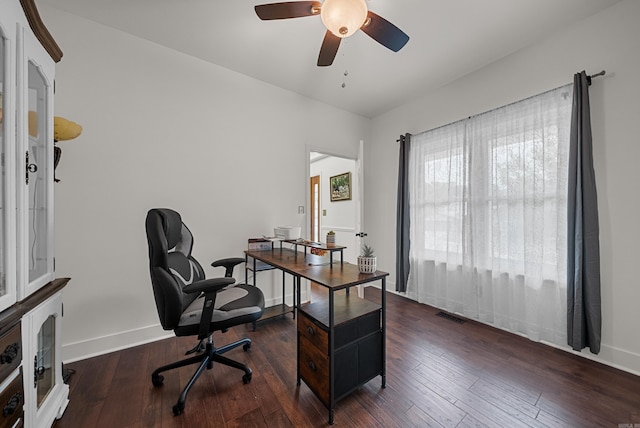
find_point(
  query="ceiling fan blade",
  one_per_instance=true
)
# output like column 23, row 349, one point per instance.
column 384, row 32
column 329, row 49
column 286, row 10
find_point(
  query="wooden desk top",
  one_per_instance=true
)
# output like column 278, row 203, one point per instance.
column 315, row 268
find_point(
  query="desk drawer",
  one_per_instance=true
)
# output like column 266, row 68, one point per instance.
column 11, row 403
column 313, row 332
column 314, row 369
column 10, row 351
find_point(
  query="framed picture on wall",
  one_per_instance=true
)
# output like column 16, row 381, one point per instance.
column 340, row 186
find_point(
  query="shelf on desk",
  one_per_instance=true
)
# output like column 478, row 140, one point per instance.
column 275, row 311
column 345, row 308
column 259, row 265
column 317, row 245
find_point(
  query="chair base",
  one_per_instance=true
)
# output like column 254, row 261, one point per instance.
column 206, row 359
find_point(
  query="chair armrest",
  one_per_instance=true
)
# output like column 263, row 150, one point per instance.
column 208, row 285
column 228, row 264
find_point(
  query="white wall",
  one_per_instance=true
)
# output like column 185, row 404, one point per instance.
column 609, row 41
column 162, row 129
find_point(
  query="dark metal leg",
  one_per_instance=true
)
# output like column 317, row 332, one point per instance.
column 254, row 271
column 294, row 294
column 284, row 294
column 296, row 282
column 297, row 279
column 242, row 342
column 179, row 407
column 332, row 359
column 177, row 364
column 384, row 332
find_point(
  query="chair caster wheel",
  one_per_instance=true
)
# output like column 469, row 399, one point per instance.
column 246, row 378
column 246, row 347
column 178, row 409
column 157, row 380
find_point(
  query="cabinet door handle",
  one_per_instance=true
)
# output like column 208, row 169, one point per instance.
column 10, row 353
column 12, row 405
column 31, row 168
column 311, row 331
column 312, row 366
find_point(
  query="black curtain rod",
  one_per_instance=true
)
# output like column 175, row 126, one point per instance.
column 602, row 73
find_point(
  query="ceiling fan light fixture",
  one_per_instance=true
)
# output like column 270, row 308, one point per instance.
column 343, row 17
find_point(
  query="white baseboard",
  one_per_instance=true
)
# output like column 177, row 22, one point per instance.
column 614, row 357
column 127, row 339
column 113, row 342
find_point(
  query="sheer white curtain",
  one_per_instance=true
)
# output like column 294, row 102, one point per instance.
column 488, row 216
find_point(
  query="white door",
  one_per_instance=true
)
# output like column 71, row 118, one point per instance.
column 360, row 226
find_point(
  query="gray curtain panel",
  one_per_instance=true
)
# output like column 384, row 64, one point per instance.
column 402, row 216
column 584, row 320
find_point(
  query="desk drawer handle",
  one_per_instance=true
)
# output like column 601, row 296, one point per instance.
column 311, row 331
column 312, row 366
column 12, row 405
column 10, row 353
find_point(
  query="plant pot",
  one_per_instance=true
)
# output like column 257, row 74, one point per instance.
column 331, row 239
column 367, row 264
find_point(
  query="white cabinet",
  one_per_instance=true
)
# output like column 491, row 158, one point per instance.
column 30, row 296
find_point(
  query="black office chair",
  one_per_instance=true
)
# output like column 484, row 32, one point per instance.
column 191, row 305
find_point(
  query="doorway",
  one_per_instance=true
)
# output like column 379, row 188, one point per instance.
column 340, row 216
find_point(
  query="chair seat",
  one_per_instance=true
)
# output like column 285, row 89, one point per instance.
column 237, row 304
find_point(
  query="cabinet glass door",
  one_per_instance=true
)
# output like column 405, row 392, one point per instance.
column 44, row 362
column 37, row 174
column 7, row 195
column 8, row 90
column 46, row 395
column 3, row 181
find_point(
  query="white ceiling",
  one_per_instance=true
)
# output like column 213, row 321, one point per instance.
column 448, row 39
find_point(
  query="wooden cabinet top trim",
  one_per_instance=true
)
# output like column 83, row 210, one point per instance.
column 40, row 30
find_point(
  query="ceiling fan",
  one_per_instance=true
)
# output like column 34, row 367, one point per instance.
column 342, row 18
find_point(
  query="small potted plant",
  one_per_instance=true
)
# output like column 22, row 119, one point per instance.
column 331, row 237
column 367, row 260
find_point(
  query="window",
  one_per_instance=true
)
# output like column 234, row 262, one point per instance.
column 488, row 215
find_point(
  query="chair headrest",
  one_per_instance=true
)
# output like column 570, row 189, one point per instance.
column 171, row 224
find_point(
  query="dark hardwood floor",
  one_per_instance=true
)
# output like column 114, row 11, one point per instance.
column 439, row 374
